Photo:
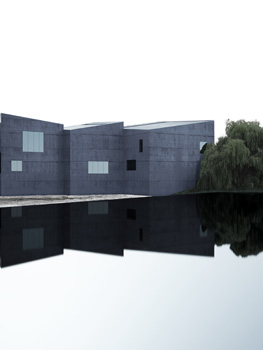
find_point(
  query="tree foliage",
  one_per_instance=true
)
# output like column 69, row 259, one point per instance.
column 236, row 161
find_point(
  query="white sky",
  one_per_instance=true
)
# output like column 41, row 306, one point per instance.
column 75, row 62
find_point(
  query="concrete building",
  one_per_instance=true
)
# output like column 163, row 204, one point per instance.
column 41, row 158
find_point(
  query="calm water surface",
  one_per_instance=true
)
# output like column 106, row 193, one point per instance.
column 180, row 272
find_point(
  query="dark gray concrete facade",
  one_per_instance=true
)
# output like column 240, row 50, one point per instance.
column 41, row 158
column 170, row 160
column 42, row 172
column 94, row 143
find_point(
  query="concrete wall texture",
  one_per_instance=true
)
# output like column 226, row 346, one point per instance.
column 101, row 143
column 42, row 172
column 101, row 158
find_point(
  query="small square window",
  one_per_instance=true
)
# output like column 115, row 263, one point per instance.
column 16, row 165
column 131, row 164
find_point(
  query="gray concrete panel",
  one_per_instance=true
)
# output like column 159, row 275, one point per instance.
column 102, row 143
column 42, row 172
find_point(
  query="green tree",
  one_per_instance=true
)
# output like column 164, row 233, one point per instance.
column 236, row 161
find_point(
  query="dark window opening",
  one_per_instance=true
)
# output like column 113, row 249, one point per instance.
column 203, row 148
column 141, row 234
column 141, row 145
column 131, row 214
column 0, row 162
column 131, row 164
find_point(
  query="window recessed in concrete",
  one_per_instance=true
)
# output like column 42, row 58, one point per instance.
column 141, row 145
column 16, row 165
column 98, row 167
column 131, row 164
column 33, row 141
column 203, row 145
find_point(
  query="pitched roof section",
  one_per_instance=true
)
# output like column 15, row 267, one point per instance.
column 148, row 126
column 88, row 125
column 160, row 125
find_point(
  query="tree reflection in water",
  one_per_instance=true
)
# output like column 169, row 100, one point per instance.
column 236, row 219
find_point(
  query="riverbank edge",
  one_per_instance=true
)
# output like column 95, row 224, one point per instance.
column 18, row 201
column 192, row 191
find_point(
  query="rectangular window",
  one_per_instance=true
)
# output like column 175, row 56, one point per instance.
column 98, row 167
column 0, row 163
column 141, row 145
column 16, row 165
column 131, row 164
column 33, row 238
column 33, row 141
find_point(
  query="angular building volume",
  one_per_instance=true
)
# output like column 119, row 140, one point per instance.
column 44, row 158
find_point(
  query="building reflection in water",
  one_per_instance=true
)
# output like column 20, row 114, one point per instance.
column 95, row 227
column 158, row 224
column 30, row 233
column 167, row 225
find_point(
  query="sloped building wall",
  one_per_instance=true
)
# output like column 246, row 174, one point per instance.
column 174, row 157
column 136, row 166
column 31, row 157
column 170, row 159
column 91, row 148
